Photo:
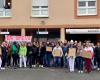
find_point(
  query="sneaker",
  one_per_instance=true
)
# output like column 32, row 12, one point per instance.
column 33, row 65
column 71, row 70
column 2, row 68
column 94, row 67
column 81, row 71
column 41, row 66
column 98, row 69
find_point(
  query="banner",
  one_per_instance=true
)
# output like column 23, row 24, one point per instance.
column 11, row 38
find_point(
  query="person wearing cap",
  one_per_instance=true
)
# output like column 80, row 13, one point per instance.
column 71, row 59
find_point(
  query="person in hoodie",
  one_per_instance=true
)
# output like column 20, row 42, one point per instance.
column 22, row 55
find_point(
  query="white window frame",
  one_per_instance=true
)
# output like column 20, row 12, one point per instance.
column 40, row 11
column 86, row 7
column 4, row 11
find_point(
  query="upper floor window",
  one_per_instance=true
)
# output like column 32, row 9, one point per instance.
column 40, row 8
column 5, row 8
column 87, row 7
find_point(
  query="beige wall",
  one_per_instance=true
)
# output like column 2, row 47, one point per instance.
column 60, row 12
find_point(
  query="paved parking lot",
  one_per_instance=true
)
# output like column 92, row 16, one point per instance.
column 46, row 74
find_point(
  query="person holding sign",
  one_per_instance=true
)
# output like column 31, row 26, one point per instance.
column 79, row 57
column 57, row 54
column 48, row 55
column 88, row 50
column 71, row 55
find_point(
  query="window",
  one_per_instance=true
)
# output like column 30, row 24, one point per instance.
column 40, row 8
column 5, row 8
column 86, row 7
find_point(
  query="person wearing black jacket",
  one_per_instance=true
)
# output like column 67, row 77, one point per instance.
column 42, row 50
column 35, row 54
column 97, row 54
column 4, row 55
column 29, row 54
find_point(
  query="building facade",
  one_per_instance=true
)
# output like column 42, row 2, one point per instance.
column 28, row 17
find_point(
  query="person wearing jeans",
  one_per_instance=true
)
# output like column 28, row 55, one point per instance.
column 79, row 57
column 65, row 49
column 57, row 54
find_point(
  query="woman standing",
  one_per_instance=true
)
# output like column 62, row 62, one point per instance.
column 88, row 64
column 71, row 59
column 30, row 54
column 79, row 58
column 57, row 54
column 22, row 54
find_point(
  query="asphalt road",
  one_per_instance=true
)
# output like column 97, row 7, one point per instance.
column 46, row 74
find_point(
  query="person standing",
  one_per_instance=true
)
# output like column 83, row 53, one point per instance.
column 71, row 59
column 65, row 50
column 57, row 54
column 4, row 55
column 79, row 58
column 88, row 63
column 22, row 55
column 97, row 55
column 0, row 57
column 9, row 55
column 14, row 54
column 30, row 54
column 48, row 55
column 42, row 50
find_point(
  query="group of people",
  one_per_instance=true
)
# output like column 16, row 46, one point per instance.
column 50, row 54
